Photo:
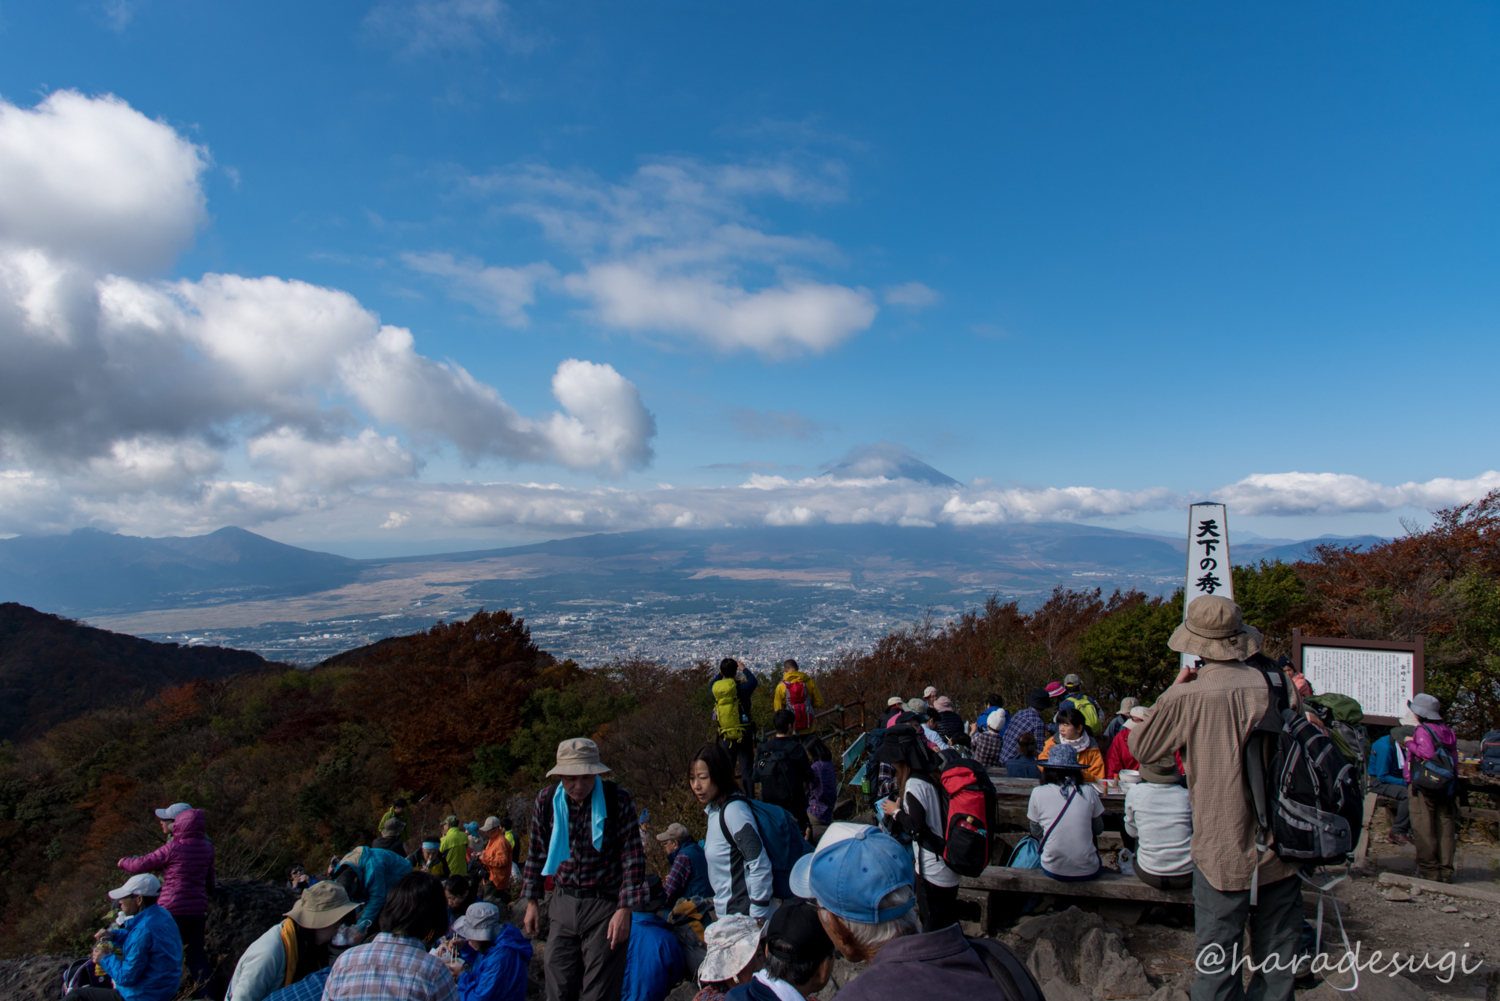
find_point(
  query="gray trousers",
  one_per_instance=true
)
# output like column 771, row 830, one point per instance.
column 579, row 964
column 1275, row 929
column 1402, row 823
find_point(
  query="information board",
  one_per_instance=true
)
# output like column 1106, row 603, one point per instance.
column 1381, row 677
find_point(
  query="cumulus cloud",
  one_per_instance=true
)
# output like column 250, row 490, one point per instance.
column 121, row 389
column 1341, row 493
column 502, row 292
column 675, row 250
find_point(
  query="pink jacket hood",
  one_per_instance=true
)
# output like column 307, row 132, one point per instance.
column 186, row 864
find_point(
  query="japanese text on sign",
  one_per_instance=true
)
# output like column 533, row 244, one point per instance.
column 1379, row 680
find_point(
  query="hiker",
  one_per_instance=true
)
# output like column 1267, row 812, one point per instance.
column 494, row 861
column 918, row 810
column 298, row 878
column 1434, row 812
column 798, row 957
column 455, row 846
column 929, row 693
column 739, row 872
column 732, row 693
column 1073, row 695
column 823, row 795
column 1121, row 717
column 783, row 770
column 986, row 742
column 585, row 835
column 397, row 812
column 1028, row 720
column 391, row 837
column 1387, row 771
column 1066, row 815
column 687, row 868
column 431, row 859
column 733, row 956
column 149, row 966
column 396, row 966
column 799, row 693
column 1073, row 732
column 653, row 960
column 295, row 948
column 368, row 874
column 167, row 815
column 186, row 864
column 1209, row 713
column 863, row 888
column 919, row 714
column 992, row 701
column 497, row 955
column 894, row 706
column 1024, row 764
column 947, row 722
column 1159, row 826
column 459, row 892
column 1118, row 758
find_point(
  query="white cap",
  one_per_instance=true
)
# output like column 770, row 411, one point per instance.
column 145, row 884
column 171, row 812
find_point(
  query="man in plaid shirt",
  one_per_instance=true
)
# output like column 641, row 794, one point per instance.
column 598, row 866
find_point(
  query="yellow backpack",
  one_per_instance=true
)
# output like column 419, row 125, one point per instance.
column 727, row 709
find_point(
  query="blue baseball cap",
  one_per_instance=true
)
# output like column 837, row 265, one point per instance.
column 850, row 877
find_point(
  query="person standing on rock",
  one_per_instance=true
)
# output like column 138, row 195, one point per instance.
column 186, row 864
column 1209, row 714
column 149, row 964
column 585, row 834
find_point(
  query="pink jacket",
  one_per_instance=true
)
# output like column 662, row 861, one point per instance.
column 1421, row 747
column 186, row 864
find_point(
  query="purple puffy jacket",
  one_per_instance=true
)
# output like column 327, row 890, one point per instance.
column 186, row 864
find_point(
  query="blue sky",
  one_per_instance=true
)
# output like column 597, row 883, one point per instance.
column 1142, row 248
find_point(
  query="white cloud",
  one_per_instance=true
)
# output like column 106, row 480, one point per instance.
column 419, row 27
column 1340, row 493
column 119, row 395
column 503, row 292
column 675, row 250
column 912, row 295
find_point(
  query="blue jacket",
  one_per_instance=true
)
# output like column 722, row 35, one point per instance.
column 1023, row 768
column 697, row 884
column 653, row 959
column 1383, row 766
column 379, row 870
column 149, row 967
column 500, row 972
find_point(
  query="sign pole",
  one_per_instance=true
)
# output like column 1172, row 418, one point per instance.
column 1208, row 568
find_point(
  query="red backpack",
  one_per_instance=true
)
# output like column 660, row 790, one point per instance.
column 969, row 805
column 796, row 700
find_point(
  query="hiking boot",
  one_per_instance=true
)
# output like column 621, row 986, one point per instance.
column 1400, row 839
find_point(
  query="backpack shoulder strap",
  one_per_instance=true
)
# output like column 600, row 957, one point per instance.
column 1005, row 968
column 1066, row 803
column 614, row 845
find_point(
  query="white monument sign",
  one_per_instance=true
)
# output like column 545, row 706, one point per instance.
column 1208, row 570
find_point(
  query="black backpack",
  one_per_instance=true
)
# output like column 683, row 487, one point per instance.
column 1006, row 970
column 1306, row 795
column 773, row 770
column 1489, row 753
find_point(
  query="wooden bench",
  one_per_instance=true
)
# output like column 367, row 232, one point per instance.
column 1108, row 886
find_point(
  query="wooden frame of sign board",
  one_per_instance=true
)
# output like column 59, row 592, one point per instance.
column 1419, row 670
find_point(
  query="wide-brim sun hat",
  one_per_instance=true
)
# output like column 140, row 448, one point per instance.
column 895, row 700
column 1061, row 758
column 906, row 745
column 1128, row 703
column 918, row 706
column 1426, row 707
column 321, row 905
column 1162, row 771
column 1056, row 690
column 480, row 922
column 1215, row 630
column 943, row 704
column 579, row 756
column 732, row 942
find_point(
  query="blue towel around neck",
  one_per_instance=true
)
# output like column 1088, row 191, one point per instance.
column 558, row 848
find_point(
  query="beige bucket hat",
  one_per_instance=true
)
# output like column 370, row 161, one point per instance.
column 321, row 905
column 579, row 756
column 1214, row 630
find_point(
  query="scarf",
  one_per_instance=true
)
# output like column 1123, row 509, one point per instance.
column 783, row 990
column 1080, row 743
column 558, row 848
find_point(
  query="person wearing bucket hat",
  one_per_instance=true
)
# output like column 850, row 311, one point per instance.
column 1388, row 778
column 1159, row 826
column 798, row 957
column 494, row 860
column 149, row 964
column 455, row 846
column 586, row 835
column 294, row 948
column 1122, row 715
column 1065, row 816
column 894, row 706
column 498, row 955
column 1118, row 758
column 917, row 808
column 861, row 880
column 733, row 944
column 1432, row 749
column 1208, row 714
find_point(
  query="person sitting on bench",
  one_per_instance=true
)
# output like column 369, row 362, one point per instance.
column 1159, row 826
column 1065, row 817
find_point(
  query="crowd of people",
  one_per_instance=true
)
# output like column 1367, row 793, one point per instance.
column 759, row 906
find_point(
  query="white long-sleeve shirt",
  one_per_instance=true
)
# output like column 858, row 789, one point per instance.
column 1161, row 816
column 740, row 874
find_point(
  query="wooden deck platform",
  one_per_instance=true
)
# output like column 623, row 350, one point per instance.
column 1109, row 886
